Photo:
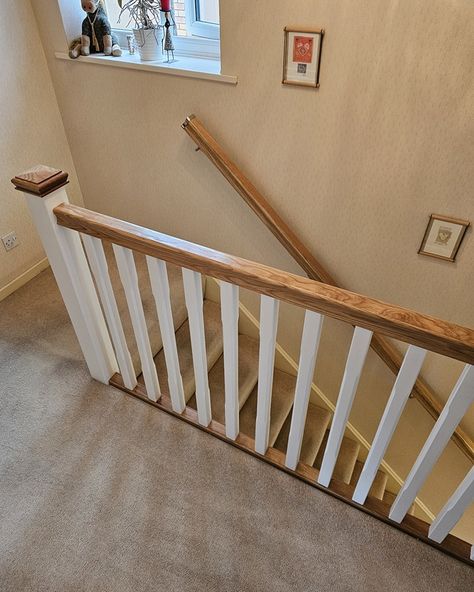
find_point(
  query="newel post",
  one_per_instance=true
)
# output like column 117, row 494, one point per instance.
column 43, row 188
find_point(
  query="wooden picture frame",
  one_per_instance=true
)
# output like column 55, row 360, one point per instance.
column 302, row 56
column 443, row 237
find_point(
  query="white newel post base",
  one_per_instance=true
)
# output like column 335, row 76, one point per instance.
column 69, row 264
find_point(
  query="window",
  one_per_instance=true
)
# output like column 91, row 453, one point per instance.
column 202, row 18
column 194, row 18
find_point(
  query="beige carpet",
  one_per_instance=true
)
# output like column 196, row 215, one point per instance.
column 99, row 492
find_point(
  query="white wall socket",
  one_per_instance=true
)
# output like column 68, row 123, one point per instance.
column 10, row 241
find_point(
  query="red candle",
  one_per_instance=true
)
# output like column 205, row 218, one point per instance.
column 166, row 5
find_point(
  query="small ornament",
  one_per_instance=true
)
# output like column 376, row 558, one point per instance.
column 131, row 44
column 167, row 42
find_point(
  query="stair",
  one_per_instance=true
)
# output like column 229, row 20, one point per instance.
column 317, row 422
column 378, row 486
column 348, row 466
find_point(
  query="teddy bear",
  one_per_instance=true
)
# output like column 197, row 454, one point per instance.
column 97, row 36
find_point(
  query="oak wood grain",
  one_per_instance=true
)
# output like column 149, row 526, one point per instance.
column 312, row 267
column 255, row 200
column 40, row 180
column 411, row 525
column 401, row 323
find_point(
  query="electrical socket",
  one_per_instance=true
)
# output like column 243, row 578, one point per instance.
column 10, row 241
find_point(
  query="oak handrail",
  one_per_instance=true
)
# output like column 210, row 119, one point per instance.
column 312, row 267
column 400, row 323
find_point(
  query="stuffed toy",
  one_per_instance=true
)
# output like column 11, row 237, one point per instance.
column 97, row 34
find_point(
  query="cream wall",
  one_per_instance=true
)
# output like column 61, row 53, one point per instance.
column 355, row 167
column 32, row 132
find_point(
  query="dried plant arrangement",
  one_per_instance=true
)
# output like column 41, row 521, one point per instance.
column 144, row 14
column 145, row 19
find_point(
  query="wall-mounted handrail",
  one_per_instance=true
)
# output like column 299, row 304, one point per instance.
column 312, row 267
column 394, row 321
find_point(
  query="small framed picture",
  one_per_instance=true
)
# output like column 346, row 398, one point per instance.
column 302, row 56
column 443, row 237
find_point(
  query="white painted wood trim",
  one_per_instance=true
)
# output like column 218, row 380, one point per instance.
column 402, row 388
column 454, row 509
column 457, row 405
column 350, row 381
column 194, row 303
column 230, row 329
column 161, row 292
column 23, row 278
column 310, row 339
column 268, row 330
column 69, row 264
column 184, row 67
column 128, row 276
column 286, row 363
column 100, row 270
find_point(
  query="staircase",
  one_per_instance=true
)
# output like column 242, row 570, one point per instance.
column 318, row 421
column 153, row 327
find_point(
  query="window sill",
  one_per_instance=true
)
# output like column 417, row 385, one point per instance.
column 185, row 66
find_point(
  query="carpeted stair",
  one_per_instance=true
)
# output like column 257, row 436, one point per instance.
column 348, row 466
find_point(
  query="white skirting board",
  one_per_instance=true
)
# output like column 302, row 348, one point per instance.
column 24, row 278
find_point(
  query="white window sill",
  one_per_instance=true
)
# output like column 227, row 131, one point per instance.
column 185, row 66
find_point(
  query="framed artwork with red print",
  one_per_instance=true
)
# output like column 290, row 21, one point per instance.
column 302, row 56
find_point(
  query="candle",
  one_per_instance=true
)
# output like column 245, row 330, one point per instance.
column 166, row 5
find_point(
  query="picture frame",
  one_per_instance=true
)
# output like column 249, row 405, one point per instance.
column 443, row 237
column 302, row 56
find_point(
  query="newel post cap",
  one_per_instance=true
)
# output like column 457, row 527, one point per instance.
column 40, row 180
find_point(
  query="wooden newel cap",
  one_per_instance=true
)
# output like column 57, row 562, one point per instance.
column 40, row 180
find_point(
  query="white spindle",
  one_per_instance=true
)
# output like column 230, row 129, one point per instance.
column 309, row 348
column 100, row 270
column 454, row 410
column 454, row 509
column 355, row 362
column 161, row 292
column 194, row 304
column 268, row 331
column 69, row 264
column 230, row 329
column 401, row 391
column 129, row 279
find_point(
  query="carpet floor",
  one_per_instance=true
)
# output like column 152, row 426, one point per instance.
column 100, row 492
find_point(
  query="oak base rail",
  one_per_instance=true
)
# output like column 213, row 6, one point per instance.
column 411, row 525
column 422, row 392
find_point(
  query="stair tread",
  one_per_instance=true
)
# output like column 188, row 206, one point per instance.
column 389, row 498
column 377, row 489
column 248, row 374
column 214, row 346
column 346, row 459
column 282, row 400
column 178, row 305
column 317, row 422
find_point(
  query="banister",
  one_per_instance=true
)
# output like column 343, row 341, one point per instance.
column 312, row 267
column 394, row 321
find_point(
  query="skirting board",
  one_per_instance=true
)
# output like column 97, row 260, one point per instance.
column 24, row 278
column 249, row 324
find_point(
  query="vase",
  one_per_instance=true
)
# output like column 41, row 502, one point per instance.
column 148, row 42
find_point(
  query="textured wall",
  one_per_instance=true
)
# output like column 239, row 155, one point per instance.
column 356, row 167
column 32, row 130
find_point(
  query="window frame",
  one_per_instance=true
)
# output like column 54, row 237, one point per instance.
column 196, row 27
column 193, row 45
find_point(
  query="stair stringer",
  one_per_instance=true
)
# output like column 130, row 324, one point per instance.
column 249, row 325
